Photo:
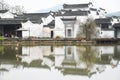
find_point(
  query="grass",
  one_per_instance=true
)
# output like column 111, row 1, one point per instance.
column 1, row 38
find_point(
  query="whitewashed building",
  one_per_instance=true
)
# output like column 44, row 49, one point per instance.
column 106, row 27
column 62, row 24
column 9, row 24
column 35, row 24
column 68, row 20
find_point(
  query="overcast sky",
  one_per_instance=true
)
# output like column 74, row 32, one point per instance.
column 35, row 5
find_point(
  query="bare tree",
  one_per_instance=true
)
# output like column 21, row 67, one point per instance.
column 3, row 5
column 17, row 9
column 87, row 29
column 13, row 9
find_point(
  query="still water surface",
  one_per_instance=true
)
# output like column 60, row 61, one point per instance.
column 59, row 62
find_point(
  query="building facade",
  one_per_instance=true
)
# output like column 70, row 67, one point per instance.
column 69, row 19
column 65, row 23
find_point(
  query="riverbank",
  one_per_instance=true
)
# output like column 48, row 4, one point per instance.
column 59, row 42
column 46, row 42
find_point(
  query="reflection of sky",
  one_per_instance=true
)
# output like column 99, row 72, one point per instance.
column 54, row 74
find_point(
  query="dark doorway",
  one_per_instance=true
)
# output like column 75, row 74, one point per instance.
column 52, row 33
column 9, row 30
column 69, row 32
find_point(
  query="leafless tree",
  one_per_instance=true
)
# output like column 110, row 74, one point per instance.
column 17, row 9
column 13, row 9
column 87, row 29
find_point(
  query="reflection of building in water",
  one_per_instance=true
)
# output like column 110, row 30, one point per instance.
column 40, row 54
column 117, row 53
column 28, row 57
column 70, row 63
column 105, row 53
column 8, row 58
column 77, row 60
column 109, row 55
column 69, row 56
column 9, row 52
column 85, row 60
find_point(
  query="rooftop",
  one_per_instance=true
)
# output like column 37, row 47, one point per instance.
column 116, row 25
column 51, row 24
column 11, row 21
column 68, row 19
column 33, row 17
column 76, row 5
column 3, row 11
column 104, row 20
column 74, row 13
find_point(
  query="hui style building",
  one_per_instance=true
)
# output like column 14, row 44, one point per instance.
column 64, row 23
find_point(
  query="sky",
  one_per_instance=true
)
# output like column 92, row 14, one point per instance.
column 32, row 6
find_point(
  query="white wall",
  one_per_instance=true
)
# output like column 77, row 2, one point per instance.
column 107, row 34
column 6, row 15
column 59, row 28
column 37, row 30
column 34, row 30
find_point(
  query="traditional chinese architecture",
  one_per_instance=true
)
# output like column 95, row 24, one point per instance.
column 64, row 23
column 68, row 20
column 8, row 24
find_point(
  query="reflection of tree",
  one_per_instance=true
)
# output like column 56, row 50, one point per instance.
column 88, row 55
column 1, row 49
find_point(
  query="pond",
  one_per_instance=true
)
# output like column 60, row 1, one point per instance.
column 59, row 62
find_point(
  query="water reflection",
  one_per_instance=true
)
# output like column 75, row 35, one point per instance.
column 59, row 62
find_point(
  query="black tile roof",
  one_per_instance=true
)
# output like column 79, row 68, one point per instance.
column 51, row 24
column 33, row 17
column 93, row 9
column 74, row 13
column 103, row 20
column 116, row 25
column 102, row 8
column 68, row 19
column 3, row 11
column 75, row 5
column 11, row 21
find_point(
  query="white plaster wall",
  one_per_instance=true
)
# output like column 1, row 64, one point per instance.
column 59, row 28
column 34, row 30
column 107, row 34
column 7, row 15
column 93, row 14
column 46, row 31
column 37, row 30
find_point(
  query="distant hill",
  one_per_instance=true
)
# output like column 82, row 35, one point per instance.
column 54, row 8
column 114, row 14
